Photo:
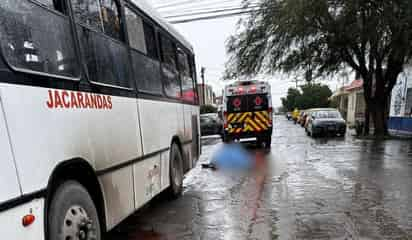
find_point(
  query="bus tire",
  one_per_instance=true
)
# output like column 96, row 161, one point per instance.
column 176, row 173
column 72, row 214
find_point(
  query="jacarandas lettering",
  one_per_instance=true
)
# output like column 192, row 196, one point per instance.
column 73, row 100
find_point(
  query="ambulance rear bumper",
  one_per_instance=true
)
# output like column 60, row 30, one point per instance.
column 248, row 135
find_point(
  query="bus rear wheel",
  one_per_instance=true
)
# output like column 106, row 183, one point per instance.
column 176, row 172
column 72, row 214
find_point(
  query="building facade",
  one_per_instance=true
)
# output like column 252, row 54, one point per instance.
column 400, row 120
column 351, row 102
column 209, row 98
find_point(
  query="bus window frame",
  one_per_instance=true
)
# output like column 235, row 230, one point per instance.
column 124, row 43
column 176, row 43
column 67, row 16
column 189, row 57
column 147, row 19
column 159, row 30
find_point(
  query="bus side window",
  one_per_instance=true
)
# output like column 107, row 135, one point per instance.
column 36, row 39
column 107, row 60
column 135, row 31
column 146, row 66
column 171, row 82
column 150, row 38
column 188, row 92
column 57, row 5
column 112, row 19
column 193, row 78
column 87, row 13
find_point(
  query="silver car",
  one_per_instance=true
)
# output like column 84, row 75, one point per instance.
column 326, row 122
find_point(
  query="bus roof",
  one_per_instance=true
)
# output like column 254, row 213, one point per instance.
column 151, row 12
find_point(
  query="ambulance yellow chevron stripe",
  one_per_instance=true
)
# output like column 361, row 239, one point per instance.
column 252, row 121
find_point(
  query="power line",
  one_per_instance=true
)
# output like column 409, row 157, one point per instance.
column 217, row 4
column 191, row 10
column 193, row 2
column 212, row 17
column 212, row 11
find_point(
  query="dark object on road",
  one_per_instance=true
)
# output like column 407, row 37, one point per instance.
column 209, row 166
column 326, row 122
column 211, row 124
column 289, row 116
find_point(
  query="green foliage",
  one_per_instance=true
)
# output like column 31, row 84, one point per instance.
column 322, row 36
column 373, row 37
column 291, row 101
column 310, row 96
column 207, row 109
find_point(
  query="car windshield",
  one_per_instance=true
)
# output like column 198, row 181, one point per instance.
column 328, row 114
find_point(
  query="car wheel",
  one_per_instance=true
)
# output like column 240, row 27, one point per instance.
column 72, row 214
column 175, row 172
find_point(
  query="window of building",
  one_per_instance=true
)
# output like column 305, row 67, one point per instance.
column 409, row 101
column 135, row 31
column 112, row 18
column 38, row 40
column 171, row 81
column 87, row 12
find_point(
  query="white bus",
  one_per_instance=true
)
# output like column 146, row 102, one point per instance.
column 98, row 114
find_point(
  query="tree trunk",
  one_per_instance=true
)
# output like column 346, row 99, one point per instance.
column 380, row 117
column 367, row 127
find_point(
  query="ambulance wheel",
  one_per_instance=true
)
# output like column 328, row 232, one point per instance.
column 176, row 173
column 72, row 214
column 226, row 138
column 265, row 142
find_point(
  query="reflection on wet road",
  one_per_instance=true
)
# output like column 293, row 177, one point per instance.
column 305, row 189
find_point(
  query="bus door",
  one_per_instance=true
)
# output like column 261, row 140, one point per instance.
column 9, row 184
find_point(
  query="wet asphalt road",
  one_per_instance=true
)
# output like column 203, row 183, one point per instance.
column 340, row 188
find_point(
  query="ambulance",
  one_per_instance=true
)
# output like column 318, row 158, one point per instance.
column 248, row 113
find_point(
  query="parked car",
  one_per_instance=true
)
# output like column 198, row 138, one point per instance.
column 302, row 118
column 295, row 115
column 326, row 122
column 211, row 124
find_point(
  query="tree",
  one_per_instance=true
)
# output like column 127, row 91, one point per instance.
column 373, row 37
column 290, row 102
column 310, row 96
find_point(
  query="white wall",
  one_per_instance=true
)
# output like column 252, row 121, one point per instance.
column 399, row 94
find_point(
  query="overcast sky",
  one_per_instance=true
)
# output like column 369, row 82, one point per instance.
column 209, row 37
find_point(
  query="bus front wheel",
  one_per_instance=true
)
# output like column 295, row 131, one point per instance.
column 176, row 172
column 72, row 214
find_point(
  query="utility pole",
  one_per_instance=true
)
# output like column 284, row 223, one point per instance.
column 203, row 84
